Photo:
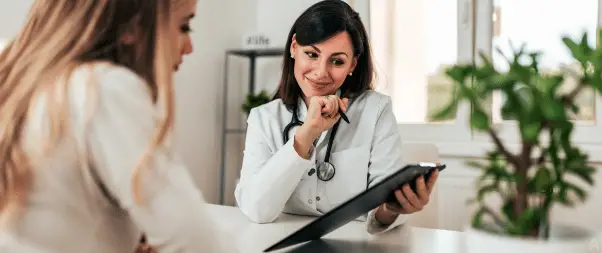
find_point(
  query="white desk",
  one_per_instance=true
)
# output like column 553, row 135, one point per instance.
column 351, row 238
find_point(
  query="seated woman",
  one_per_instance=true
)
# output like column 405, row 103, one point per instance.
column 86, row 112
column 299, row 157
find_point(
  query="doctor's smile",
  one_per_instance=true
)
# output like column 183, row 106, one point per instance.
column 318, row 84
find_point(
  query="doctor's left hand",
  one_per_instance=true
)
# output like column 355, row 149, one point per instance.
column 408, row 201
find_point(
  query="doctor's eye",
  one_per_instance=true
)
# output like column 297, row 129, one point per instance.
column 311, row 55
column 337, row 62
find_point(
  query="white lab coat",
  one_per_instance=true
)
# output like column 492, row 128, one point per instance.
column 275, row 179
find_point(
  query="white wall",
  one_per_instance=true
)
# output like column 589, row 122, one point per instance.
column 219, row 25
column 12, row 17
column 276, row 17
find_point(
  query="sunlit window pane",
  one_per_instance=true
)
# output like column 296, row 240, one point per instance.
column 413, row 43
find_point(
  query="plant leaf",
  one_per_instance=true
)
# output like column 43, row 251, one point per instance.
column 477, row 219
column 508, row 209
column 575, row 48
column 486, row 189
column 562, row 195
column 476, row 164
column 541, row 181
column 553, row 109
column 585, row 48
column 479, row 120
column 530, row 131
column 447, row 112
column 459, row 73
column 527, row 221
column 584, row 173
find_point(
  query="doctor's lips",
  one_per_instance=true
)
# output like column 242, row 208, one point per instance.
column 318, row 83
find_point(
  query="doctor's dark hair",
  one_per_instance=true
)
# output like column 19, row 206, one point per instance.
column 319, row 23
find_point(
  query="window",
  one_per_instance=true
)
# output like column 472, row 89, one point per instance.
column 513, row 21
column 414, row 41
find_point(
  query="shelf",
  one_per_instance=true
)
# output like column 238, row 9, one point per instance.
column 236, row 131
column 252, row 55
column 257, row 52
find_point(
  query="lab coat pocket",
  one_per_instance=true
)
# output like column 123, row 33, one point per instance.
column 351, row 174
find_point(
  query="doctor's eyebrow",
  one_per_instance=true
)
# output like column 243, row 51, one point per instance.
column 333, row 54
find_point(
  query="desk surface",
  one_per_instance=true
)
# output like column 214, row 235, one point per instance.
column 351, row 238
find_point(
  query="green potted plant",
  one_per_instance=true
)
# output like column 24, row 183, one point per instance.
column 537, row 177
column 254, row 100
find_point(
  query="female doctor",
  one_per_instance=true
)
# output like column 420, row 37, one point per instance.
column 300, row 157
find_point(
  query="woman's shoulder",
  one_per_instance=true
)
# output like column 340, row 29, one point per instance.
column 373, row 94
column 107, row 76
column 105, row 83
column 373, row 99
column 101, row 86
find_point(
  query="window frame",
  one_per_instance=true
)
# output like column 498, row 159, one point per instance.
column 457, row 139
column 454, row 131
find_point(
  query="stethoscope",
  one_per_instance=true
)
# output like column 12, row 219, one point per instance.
column 326, row 169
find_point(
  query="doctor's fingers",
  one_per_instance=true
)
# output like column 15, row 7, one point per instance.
column 333, row 120
column 422, row 191
column 405, row 203
column 432, row 180
column 331, row 107
column 316, row 107
column 411, row 196
column 341, row 104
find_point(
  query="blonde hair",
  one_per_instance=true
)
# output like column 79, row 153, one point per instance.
column 60, row 35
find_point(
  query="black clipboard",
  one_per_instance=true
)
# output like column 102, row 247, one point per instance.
column 358, row 205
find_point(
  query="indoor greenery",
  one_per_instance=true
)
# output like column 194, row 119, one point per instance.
column 545, row 167
column 254, row 100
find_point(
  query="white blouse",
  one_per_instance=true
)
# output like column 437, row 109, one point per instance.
column 74, row 208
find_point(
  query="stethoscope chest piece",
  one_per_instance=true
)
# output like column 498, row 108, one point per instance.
column 326, row 171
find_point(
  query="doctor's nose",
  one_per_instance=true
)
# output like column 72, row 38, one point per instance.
column 320, row 69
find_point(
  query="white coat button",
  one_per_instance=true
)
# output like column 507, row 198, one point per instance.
column 318, row 198
column 310, row 201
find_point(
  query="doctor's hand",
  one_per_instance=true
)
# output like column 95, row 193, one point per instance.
column 408, row 201
column 322, row 114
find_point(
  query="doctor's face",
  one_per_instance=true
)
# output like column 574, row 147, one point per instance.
column 321, row 68
column 184, row 11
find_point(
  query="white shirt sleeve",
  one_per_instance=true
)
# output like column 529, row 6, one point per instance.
column 268, row 179
column 385, row 158
column 174, row 216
